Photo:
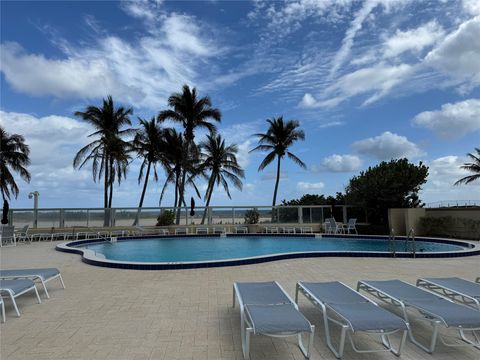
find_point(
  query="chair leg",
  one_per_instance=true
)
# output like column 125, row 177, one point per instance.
column 45, row 288
column 61, row 280
column 14, row 303
column 3, row 312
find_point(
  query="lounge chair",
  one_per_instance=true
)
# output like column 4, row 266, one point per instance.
column 350, row 226
column 15, row 288
column 430, row 307
column 22, row 235
column 354, row 313
column 181, row 231
column 460, row 290
column 7, row 236
column 265, row 308
column 201, row 230
column 271, row 230
column 306, row 230
column 219, row 230
column 289, row 230
column 44, row 275
column 241, row 230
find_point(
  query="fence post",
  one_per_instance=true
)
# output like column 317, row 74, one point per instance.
column 300, row 215
column 113, row 215
column 233, row 216
column 61, row 222
column 344, row 211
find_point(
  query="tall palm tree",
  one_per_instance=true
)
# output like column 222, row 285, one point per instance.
column 176, row 164
column 119, row 159
column 14, row 157
column 279, row 137
column 221, row 160
column 148, row 144
column 193, row 113
column 107, row 121
column 473, row 167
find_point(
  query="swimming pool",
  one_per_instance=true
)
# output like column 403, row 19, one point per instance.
column 205, row 251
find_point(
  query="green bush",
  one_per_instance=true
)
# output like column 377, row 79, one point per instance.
column 166, row 218
column 251, row 216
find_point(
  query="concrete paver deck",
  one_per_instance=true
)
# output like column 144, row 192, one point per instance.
column 186, row 314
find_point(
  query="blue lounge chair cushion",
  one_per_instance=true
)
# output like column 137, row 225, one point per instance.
column 262, row 293
column 334, row 292
column 367, row 316
column 44, row 273
column 457, row 284
column 15, row 286
column 274, row 319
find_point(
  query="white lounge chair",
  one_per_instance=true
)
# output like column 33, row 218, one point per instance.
column 429, row 307
column 350, row 226
column 7, row 236
column 289, row 230
column 43, row 275
column 306, row 230
column 241, row 230
column 181, row 231
column 354, row 313
column 201, row 230
column 219, row 230
column 266, row 309
column 15, row 288
column 22, row 235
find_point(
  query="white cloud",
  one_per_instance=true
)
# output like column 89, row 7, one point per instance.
column 453, row 120
column 471, row 6
column 387, row 146
column 174, row 51
column 271, row 175
column 458, row 55
column 413, row 39
column 308, row 101
column 342, row 163
column 308, row 186
column 377, row 81
column 443, row 172
column 331, row 124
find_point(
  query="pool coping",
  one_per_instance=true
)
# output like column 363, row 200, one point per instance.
column 92, row 258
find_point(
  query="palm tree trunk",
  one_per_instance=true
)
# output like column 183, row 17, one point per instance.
column 276, row 183
column 143, row 193
column 105, row 190
column 209, row 196
column 112, row 180
column 145, row 185
column 106, row 215
column 181, row 194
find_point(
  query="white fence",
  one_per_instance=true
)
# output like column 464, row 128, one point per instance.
column 147, row 216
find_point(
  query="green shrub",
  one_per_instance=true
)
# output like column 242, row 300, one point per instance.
column 166, row 218
column 251, row 216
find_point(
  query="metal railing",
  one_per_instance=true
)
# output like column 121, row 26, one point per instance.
column 147, row 216
column 411, row 238
column 391, row 243
column 453, row 203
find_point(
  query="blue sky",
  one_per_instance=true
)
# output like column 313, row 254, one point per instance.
column 368, row 80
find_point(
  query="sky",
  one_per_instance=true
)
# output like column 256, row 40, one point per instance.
column 368, row 81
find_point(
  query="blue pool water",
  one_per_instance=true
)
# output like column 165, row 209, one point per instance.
column 188, row 249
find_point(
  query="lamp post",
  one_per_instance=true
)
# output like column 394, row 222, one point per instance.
column 34, row 195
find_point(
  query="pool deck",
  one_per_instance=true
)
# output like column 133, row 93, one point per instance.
column 186, row 314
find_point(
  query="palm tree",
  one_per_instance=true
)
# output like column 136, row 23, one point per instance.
column 473, row 167
column 192, row 113
column 14, row 157
column 119, row 159
column 148, row 144
column 176, row 164
column 107, row 122
column 279, row 137
column 221, row 160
